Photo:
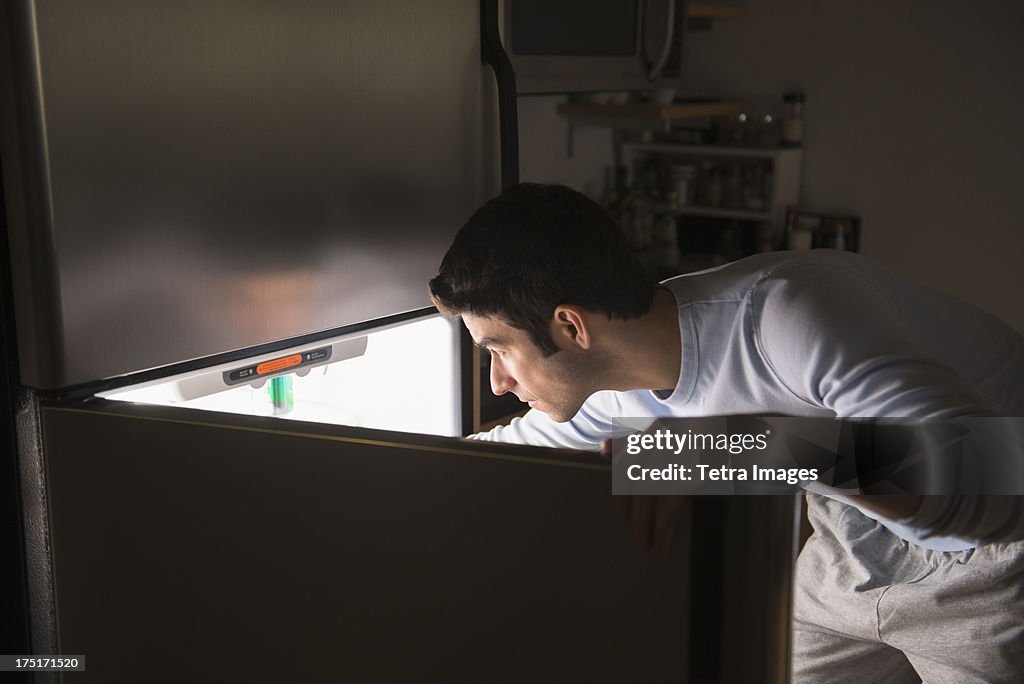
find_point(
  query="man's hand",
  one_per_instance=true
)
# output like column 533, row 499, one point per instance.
column 653, row 518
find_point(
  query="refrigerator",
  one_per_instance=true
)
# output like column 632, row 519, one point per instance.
column 236, row 421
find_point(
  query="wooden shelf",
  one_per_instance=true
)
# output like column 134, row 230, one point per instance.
column 639, row 116
column 725, row 213
column 711, row 150
column 703, row 10
column 652, row 112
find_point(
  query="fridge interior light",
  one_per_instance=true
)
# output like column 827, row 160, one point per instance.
column 402, row 377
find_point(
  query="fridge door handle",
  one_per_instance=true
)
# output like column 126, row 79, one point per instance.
column 493, row 54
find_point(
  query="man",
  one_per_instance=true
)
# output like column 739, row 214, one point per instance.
column 888, row 588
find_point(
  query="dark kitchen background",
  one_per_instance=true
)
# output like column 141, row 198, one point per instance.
column 913, row 121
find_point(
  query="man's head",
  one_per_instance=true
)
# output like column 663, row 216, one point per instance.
column 528, row 270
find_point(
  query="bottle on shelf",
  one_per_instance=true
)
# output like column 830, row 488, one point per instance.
column 684, row 181
column 797, row 236
column 769, row 135
column 712, row 185
column 754, row 188
column 732, row 195
column 835, row 233
column 793, row 121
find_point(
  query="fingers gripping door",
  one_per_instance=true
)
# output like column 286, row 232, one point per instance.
column 221, row 547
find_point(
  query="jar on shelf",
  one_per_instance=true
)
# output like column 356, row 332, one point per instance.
column 684, row 181
column 793, row 121
column 754, row 188
column 712, row 185
column 733, row 185
column 798, row 237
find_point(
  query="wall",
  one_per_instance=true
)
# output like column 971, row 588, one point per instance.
column 914, row 120
column 543, row 151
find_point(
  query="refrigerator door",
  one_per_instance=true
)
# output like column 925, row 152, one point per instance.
column 193, row 546
column 185, row 179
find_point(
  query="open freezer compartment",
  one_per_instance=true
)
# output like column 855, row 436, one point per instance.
column 402, row 377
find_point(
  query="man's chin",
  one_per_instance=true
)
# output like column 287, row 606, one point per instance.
column 559, row 416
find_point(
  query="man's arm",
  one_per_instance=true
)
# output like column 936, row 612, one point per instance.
column 892, row 507
column 586, row 431
column 653, row 519
column 837, row 342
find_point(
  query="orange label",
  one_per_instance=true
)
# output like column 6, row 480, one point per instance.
column 278, row 364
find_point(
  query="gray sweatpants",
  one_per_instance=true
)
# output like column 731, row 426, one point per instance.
column 871, row 607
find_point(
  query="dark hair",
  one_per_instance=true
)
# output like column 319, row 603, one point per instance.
column 533, row 248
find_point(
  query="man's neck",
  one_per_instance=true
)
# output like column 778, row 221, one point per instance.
column 647, row 351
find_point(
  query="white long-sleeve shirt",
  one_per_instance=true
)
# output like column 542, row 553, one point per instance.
column 829, row 334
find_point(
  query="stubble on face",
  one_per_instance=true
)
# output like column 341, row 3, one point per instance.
column 557, row 385
column 569, row 382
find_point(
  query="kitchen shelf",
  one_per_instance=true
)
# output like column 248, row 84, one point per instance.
column 581, row 112
column 639, row 116
column 710, row 150
column 781, row 167
column 723, row 212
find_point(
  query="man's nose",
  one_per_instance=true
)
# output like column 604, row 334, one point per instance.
column 501, row 381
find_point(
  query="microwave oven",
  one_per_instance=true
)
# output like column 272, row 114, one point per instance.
column 572, row 46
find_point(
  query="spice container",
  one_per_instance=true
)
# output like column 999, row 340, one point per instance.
column 712, row 185
column 755, row 190
column 684, row 180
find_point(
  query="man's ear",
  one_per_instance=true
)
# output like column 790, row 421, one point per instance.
column 570, row 327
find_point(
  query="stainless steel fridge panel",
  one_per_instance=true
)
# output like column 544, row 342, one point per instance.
column 222, row 174
column 233, row 548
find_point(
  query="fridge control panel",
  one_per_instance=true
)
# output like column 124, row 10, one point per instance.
column 267, row 368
